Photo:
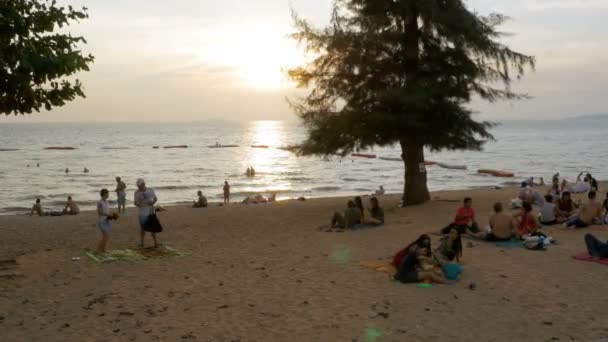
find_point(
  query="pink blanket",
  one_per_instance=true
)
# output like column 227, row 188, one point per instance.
column 584, row 256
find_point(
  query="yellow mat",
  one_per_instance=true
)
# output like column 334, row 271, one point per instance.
column 383, row 266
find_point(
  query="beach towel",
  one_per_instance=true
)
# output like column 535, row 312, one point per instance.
column 513, row 243
column 383, row 266
column 584, row 256
column 139, row 254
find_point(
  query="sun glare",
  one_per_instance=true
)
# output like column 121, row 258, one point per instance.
column 257, row 53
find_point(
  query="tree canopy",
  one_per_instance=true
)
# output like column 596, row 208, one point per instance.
column 35, row 59
column 402, row 71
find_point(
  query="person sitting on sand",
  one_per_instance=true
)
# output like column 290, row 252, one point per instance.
column 37, row 208
column 352, row 217
column 549, row 212
column 542, row 181
column 592, row 182
column 359, row 204
column 376, row 212
column 409, row 270
column 589, row 214
column 451, row 269
column 201, row 202
column 380, row 191
column 451, row 242
column 423, row 241
column 71, row 208
column 272, row 198
column 565, row 206
column 595, row 247
column 464, row 220
column 502, row 226
column 528, row 225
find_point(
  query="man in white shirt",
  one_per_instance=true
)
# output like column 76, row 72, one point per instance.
column 144, row 200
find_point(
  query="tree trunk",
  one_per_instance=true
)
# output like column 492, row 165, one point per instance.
column 415, row 190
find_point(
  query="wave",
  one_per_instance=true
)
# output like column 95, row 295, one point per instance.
column 351, row 180
column 327, row 188
column 298, row 179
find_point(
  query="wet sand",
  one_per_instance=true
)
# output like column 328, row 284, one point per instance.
column 267, row 273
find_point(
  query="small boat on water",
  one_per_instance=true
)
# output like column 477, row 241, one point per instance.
column 391, row 159
column 8, row 149
column 177, row 146
column 222, row 146
column 60, row 148
column 496, row 173
column 260, row 146
column 364, row 155
column 452, row 167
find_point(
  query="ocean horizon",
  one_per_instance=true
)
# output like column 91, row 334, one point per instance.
column 527, row 148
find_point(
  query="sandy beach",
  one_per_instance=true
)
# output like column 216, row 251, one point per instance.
column 267, row 273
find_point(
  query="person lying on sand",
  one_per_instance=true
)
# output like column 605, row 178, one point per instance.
column 464, row 220
column 450, row 243
column 37, row 208
column 502, row 226
column 589, row 214
column 409, row 270
column 201, row 202
column 71, row 208
column 595, row 247
column 351, row 217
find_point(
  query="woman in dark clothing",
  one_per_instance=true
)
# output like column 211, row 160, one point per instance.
column 409, row 272
column 359, row 203
column 423, row 241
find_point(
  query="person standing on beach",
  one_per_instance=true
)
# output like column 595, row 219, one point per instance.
column 226, row 192
column 121, row 195
column 144, row 200
column 103, row 220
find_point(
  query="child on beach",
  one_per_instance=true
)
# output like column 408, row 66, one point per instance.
column 103, row 220
column 451, row 269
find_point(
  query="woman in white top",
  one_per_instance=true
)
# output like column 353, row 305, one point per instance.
column 103, row 220
column 145, row 198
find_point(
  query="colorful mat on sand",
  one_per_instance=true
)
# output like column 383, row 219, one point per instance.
column 513, row 243
column 383, row 266
column 584, row 256
column 139, row 254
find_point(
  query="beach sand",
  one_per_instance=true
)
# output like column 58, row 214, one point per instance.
column 267, row 273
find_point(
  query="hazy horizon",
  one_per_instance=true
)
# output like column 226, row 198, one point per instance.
column 199, row 60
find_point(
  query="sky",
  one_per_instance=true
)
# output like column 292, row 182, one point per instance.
column 194, row 60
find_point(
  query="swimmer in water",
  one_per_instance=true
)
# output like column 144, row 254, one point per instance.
column 86, row 170
column 67, row 170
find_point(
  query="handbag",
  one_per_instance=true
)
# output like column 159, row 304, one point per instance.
column 152, row 224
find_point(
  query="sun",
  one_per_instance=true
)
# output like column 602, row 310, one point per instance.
column 258, row 54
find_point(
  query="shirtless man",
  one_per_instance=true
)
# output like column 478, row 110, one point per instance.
column 503, row 226
column 201, row 202
column 71, row 208
column 589, row 214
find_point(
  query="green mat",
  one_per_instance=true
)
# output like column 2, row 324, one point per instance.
column 135, row 254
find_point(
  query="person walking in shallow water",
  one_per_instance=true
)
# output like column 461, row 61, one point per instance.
column 226, row 192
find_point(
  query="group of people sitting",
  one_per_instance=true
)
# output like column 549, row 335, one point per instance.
column 417, row 262
column 71, row 208
column 355, row 216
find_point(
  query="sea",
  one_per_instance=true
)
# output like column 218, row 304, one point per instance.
column 29, row 171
